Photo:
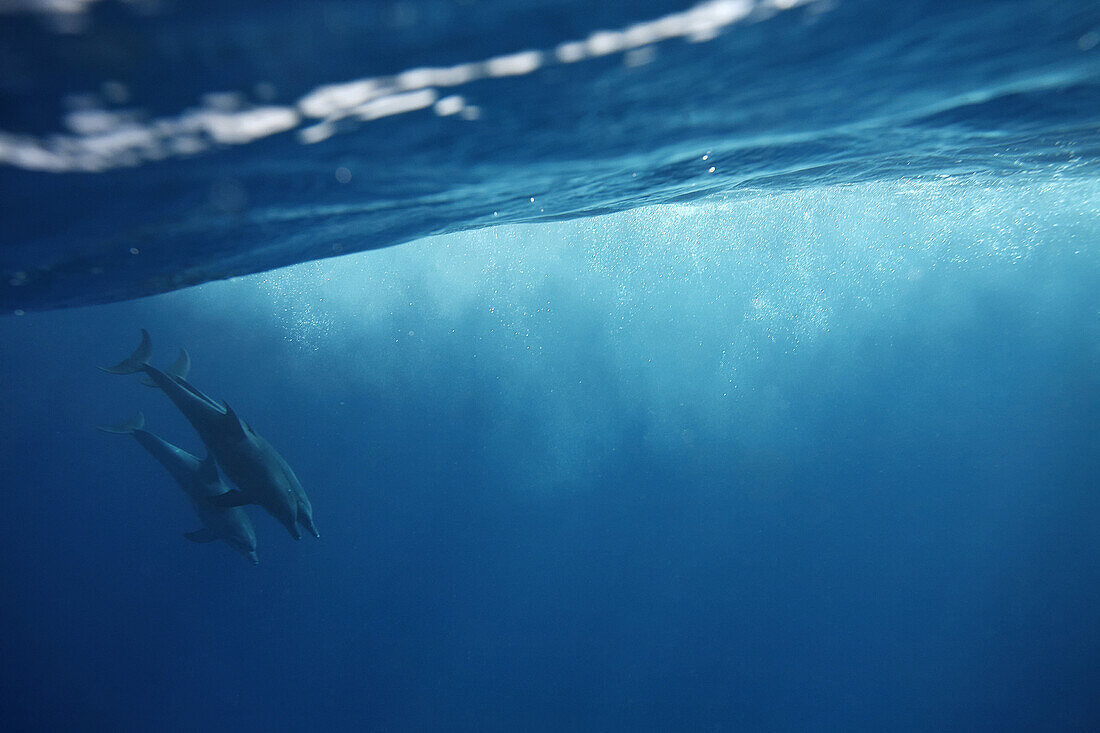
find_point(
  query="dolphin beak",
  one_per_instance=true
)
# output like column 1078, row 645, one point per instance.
column 307, row 522
column 253, row 558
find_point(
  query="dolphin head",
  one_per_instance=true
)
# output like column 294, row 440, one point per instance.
column 244, row 549
column 287, row 514
column 292, row 528
column 244, row 542
column 306, row 520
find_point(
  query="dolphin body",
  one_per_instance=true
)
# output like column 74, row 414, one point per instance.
column 200, row 481
column 260, row 473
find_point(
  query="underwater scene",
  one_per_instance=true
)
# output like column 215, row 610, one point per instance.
column 545, row 365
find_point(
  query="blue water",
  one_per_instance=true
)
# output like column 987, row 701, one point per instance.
column 806, row 443
column 152, row 150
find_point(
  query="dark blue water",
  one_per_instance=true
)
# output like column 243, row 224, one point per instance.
column 807, row 443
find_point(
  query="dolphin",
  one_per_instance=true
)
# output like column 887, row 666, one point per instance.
column 260, row 473
column 200, row 481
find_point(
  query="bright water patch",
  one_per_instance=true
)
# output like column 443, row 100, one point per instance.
column 686, row 309
column 785, row 261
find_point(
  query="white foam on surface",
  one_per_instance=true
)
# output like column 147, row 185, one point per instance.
column 100, row 139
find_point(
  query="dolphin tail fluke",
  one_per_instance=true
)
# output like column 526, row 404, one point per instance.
column 136, row 361
column 126, row 427
column 180, row 369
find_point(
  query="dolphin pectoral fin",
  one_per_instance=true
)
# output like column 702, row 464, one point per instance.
column 126, row 427
column 136, row 361
column 208, row 469
column 180, row 368
column 201, row 535
column 229, row 499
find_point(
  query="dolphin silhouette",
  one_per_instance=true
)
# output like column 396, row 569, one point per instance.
column 200, row 481
column 262, row 476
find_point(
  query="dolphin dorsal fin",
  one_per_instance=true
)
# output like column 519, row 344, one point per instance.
column 235, row 423
column 126, row 427
column 180, row 368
